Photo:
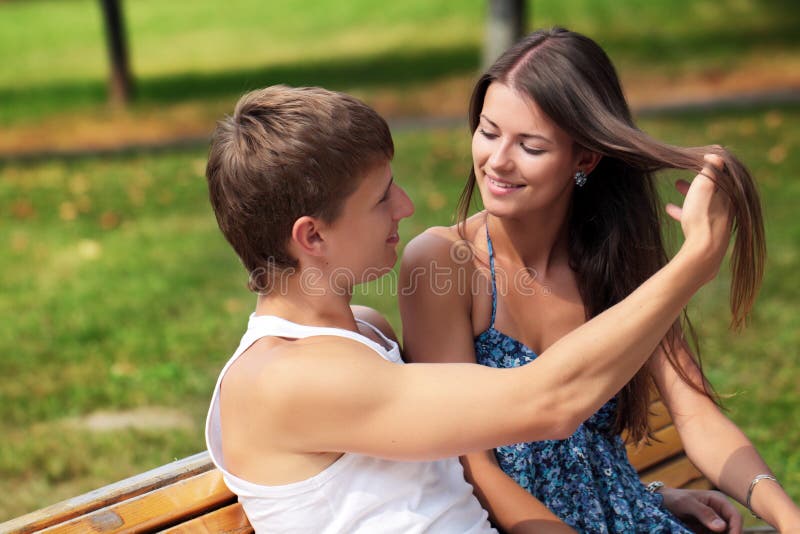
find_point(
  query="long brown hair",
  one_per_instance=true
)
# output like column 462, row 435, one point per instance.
column 615, row 237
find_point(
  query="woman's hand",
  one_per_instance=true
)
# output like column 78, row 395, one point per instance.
column 705, row 217
column 709, row 510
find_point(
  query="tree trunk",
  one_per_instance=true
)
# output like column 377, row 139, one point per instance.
column 505, row 26
column 121, row 82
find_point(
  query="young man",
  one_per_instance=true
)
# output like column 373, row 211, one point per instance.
column 315, row 421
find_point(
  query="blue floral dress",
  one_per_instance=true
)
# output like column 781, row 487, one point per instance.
column 586, row 479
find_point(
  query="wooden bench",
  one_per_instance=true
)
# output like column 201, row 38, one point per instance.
column 184, row 496
column 189, row 495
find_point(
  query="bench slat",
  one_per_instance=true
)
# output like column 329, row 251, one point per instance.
column 658, row 416
column 161, row 507
column 675, row 473
column 667, row 443
column 107, row 495
column 230, row 520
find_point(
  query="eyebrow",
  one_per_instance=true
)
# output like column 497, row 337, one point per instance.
column 523, row 135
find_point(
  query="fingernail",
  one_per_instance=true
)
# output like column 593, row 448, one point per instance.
column 717, row 523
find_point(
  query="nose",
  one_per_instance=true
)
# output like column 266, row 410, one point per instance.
column 500, row 158
column 403, row 205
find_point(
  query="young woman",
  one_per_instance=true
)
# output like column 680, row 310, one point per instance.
column 571, row 226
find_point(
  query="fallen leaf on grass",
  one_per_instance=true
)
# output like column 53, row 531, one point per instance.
column 109, row 220
column 777, row 154
column 23, row 209
column 773, row 119
column 67, row 211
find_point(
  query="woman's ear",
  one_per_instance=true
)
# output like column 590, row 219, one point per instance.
column 588, row 160
column 306, row 236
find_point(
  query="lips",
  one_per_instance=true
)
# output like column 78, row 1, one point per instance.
column 393, row 238
column 504, row 185
column 501, row 187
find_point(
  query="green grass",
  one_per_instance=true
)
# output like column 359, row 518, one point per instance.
column 53, row 58
column 119, row 293
column 682, row 33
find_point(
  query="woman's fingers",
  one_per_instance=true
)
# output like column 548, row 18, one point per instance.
column 716, row 162
column 674, row 210
column 705, row 215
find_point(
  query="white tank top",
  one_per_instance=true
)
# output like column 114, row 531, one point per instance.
column 356, row 493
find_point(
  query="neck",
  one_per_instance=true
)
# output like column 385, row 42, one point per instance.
column 312, row 306
column 537, row 241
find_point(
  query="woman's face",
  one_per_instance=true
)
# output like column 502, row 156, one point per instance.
column 523, row 162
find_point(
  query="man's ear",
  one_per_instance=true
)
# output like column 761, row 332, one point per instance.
column 306, row 236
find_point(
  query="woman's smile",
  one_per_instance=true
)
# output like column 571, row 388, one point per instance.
column 498, row 186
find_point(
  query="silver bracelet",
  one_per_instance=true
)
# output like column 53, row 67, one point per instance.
column 654, row 486
column 756, row 480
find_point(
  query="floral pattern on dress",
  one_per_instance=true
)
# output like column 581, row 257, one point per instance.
column 586, row 479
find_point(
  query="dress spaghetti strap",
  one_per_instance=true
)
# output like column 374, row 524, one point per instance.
column 494, row 281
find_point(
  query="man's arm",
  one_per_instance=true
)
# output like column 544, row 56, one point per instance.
column 352, row 401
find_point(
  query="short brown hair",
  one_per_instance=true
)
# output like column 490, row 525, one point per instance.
column 288, row 152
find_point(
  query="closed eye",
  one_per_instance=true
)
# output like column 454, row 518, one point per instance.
column 487, row 135
column 531, row 151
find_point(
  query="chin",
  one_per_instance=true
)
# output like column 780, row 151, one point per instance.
column 376, row 273
column 501, row 209
column 378, row 269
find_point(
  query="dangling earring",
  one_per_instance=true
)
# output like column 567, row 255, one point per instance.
column 580, row 178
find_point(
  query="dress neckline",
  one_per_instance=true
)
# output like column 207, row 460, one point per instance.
column 494, row 300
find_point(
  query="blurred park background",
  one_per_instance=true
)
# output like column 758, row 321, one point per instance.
column 120, row 300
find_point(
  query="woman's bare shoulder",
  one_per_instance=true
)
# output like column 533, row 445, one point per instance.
column 444, row 244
